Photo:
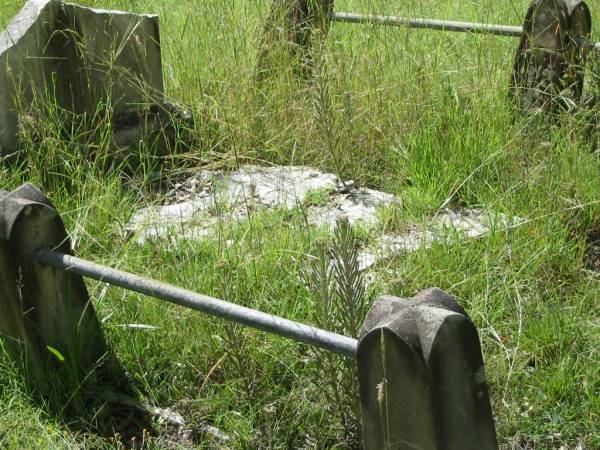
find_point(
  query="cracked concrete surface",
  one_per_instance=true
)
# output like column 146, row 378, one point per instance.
column 209, row 198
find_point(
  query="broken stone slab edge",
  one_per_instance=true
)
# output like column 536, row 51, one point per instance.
column 22, row 22
column 188, row 219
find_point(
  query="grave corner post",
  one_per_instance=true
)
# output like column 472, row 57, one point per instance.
column 421, row 377
column 549, row 65
column 47, row 320
column 290, row 32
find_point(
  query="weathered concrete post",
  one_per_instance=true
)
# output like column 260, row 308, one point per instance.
column 580, row 28
column 549, row 65
column 46, row 317
column 289, row 31
column 421, row 377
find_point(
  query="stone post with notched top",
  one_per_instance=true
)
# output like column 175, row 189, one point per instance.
column 421, row 376
column 47, row 321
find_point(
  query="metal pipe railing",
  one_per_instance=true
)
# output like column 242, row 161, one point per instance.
column 435, row 24
column 327, row 340
column 427, row 24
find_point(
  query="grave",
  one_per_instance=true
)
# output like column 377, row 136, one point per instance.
column 196, row 207
column 423, row 356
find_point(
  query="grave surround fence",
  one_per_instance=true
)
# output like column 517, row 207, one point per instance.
column 421, row 376
column 420, row 371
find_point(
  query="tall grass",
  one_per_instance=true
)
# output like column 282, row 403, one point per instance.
column 416, row 113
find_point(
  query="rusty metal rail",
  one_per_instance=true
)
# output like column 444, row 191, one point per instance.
column 307, row 334
column 434, row 24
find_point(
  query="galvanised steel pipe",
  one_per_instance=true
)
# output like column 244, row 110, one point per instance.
column 434, row 24
column 428, row 24
column 327, row 340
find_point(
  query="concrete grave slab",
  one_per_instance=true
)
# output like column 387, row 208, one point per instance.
column 82, row 57
column 206, row 200
column 211, row 197
column 446, row 226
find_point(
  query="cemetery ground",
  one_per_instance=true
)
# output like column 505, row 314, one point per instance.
column 419, row 114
